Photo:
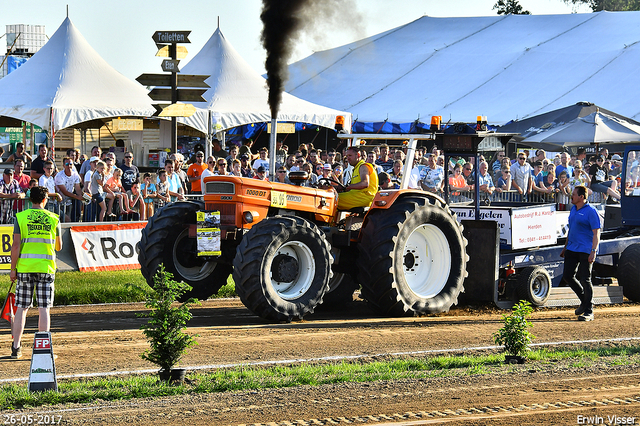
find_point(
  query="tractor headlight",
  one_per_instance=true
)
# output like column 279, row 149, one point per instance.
column 250, row 216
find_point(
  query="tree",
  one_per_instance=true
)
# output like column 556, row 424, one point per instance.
column 610, row 5
column 512, row 7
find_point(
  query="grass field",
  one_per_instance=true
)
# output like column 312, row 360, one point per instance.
column 79, row 288
column 16, row 396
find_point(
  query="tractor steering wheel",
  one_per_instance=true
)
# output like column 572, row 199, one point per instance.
column 323, row 181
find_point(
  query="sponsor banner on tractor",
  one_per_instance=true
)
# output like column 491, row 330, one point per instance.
column 107, row 247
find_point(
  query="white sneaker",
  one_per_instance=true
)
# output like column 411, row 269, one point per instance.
column 586, row 317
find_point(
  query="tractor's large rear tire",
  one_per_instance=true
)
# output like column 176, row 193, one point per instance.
column 412, row 258
column 629, row 272
column 165, row 240
column 282, row 268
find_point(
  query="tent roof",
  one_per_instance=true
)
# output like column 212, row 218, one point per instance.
column 503, row 67
column 540, row 123
column 238, row 94
column 68, row 76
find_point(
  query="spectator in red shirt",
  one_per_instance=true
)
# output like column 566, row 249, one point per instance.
column 194, row 173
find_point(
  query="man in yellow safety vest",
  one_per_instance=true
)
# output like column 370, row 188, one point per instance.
column 36, row 238
column 364, row 183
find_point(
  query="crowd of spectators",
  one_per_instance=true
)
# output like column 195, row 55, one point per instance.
column 98, row 189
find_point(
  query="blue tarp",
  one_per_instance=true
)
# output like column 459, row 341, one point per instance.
column 14, row 62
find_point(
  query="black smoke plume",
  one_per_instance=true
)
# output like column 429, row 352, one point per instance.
column 282, row 19
column 283, row 23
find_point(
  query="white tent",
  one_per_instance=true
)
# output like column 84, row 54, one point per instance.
column 503, row 67
column 67, row 83
column 597, row 127
column 238, row 94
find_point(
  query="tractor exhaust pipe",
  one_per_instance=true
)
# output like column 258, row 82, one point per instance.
column 272, row 150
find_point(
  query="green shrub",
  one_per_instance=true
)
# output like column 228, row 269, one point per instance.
column 166, row 323
column 514, row 335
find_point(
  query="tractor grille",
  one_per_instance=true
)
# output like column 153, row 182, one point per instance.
column 220, row 188
column 227, row 212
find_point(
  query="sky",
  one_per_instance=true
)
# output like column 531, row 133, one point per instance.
column 120, row 31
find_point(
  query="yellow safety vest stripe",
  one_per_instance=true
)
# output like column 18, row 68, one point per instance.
column 37, row 240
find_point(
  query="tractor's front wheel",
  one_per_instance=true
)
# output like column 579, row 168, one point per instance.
column 282, row 268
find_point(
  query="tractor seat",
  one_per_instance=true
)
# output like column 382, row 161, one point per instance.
column 354, row 212
column 298, row 178
column 358, row 210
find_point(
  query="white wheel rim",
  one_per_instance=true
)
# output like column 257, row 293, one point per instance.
column 306, row 271
column 426, row 261
column 190, row 273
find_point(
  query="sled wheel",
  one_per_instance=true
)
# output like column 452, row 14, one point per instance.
column 533, row 284
column 629, row 272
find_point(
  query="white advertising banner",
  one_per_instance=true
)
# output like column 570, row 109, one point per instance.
column 534, row 226
column 519, row 227
column 499, row 215
column 107, row 247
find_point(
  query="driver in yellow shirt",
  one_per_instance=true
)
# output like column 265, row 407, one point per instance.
column 364, row 183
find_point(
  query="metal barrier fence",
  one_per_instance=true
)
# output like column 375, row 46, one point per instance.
column 77, row 211
column 563, row 201
column 69, row 210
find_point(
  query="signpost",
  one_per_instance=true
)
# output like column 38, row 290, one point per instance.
column 175, row 110
column 184, row 95
column 167, row 43
column 170, row 65
column 165, row 80
column 181, row 52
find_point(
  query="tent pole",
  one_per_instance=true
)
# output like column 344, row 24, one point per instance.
column 207, row 148
column 53, row 137
column 326, row 138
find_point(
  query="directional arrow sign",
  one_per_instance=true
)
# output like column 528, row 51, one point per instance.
column 184, row 80
column 181, row 52
column 171, row 36
column 184, row 95
column 170, row 65
column 175, row 110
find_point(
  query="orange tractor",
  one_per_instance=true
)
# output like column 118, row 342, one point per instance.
column 290, row 249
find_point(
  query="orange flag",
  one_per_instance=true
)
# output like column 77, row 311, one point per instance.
column 9, row 308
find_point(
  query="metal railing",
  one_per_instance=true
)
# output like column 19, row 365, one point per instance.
column 562, row 201
column 69, row 210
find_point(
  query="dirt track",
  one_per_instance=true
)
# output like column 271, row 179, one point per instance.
column 107, row 338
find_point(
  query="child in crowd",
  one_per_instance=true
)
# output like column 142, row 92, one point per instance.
column 236, row 168
column 550, row 182
column 150, row 195
column 97, row 191
column 504, row 181
column 136, row 202
column 27, row 202
column 48, row 181
column 115, row 191
column 162, row 189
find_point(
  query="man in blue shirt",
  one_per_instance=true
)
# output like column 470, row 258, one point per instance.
column 564, row 165
column 580, row 250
